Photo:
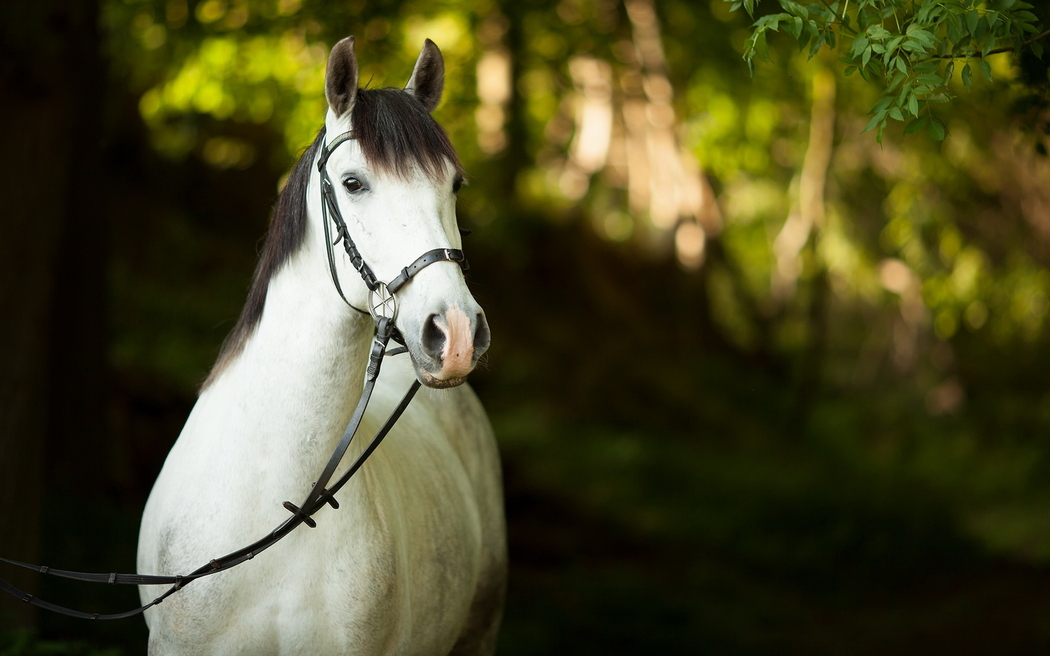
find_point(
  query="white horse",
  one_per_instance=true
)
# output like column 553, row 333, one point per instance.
column 414, row 559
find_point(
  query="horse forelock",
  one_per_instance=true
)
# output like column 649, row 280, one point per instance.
column 395, row 133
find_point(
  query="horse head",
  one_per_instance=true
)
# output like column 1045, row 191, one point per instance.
column 393, row 177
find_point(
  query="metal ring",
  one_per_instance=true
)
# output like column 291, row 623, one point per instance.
column 381, row 303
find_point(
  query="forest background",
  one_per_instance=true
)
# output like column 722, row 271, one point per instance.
column 764, row 382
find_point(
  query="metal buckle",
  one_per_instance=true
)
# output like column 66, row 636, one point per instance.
column 381, row 303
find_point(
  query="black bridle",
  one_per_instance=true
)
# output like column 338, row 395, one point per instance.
column 383, row 309
column 381, row 293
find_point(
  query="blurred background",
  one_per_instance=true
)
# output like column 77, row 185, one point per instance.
column 762, row 385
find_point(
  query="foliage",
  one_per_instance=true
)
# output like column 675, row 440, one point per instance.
column 910, row 49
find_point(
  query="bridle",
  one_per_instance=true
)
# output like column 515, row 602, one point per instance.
column 381, row 294
column 382, row 307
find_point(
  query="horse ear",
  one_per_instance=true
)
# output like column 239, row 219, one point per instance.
column 340, row 85
column 428, row 77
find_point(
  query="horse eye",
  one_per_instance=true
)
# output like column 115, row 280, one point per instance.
column 457, row 185
column 353, row 185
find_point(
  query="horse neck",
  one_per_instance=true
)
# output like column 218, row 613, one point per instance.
column 294, row 386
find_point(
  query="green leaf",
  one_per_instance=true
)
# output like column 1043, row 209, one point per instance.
column 818, row 43
column 980, row 32
column 972, row 19
column 850, row 70
column 986, row 69
column 921, row 35
column 1037, row 49
column 937, row 130
column 896, row 115
column 771, row 22
column 954, row 28
column 967, row 77
column 794, row 8
column 761, row 46
column 905, row 91
column 927, row 12
column 913, row 105
column 900, row 65
column 989, row 43
column 859, row 45
column 875, row 121
column 803, row 39
column 916, row 125
column 878, row 33
column 896, row 81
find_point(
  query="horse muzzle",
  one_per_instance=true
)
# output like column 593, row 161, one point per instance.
column 449, row 347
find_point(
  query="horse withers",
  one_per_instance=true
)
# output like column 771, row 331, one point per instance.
column 413, row 561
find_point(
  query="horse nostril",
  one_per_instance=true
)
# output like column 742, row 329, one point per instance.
column 482, row 336
column 433, row 338
column 453, row 342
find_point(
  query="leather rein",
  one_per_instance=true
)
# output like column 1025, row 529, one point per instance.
column 383, row 310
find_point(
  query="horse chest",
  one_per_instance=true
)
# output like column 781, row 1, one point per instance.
column 393, row 570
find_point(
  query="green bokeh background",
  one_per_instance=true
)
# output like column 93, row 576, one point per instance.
column 695, row 462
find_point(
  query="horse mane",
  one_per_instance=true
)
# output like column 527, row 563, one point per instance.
column 395, row 133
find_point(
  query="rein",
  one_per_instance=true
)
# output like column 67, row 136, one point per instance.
column 383, row 310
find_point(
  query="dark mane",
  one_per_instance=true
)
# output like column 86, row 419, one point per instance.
column 395, row 133
column 286, row 233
